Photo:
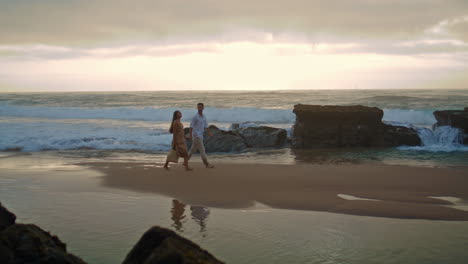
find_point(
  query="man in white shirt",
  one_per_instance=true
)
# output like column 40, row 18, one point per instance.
column 197, row 127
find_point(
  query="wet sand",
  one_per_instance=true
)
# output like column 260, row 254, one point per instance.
column 396, row 191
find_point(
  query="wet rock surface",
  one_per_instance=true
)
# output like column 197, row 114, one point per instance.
column 319, row 126
column 336, row 126
column 263, row 136
column 400, row 135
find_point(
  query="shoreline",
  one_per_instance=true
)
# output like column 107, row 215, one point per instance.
column 392, row 191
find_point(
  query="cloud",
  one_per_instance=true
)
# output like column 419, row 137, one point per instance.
column 458, row 48
column 46, row 52
column 90, row 23
column 456, row 27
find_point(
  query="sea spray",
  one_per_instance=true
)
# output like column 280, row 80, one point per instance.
column 442, row 138
column 420, row 117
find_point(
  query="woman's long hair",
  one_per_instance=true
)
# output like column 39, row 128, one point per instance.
column 174, row 117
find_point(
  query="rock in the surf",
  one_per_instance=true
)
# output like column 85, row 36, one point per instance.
column 319, row 126
column 454, row 118
column 220, row 141
column 337, row 126
column 263, row 136
column 400, row 135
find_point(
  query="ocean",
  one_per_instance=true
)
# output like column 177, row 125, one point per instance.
column 95, row 123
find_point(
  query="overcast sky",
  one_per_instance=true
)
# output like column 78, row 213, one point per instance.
column 95, row 45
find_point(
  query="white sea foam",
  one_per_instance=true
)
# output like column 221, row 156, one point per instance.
column 441, row 139
column 424, row 117
column 37, row 136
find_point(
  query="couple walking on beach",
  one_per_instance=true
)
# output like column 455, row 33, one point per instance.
column 198, row 126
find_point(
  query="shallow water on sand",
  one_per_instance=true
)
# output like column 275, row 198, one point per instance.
column 101, row 224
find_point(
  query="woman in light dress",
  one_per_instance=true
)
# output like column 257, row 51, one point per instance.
column 178, row 142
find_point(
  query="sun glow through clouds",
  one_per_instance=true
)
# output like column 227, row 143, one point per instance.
column 218, row 66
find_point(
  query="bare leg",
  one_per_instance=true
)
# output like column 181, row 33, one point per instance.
column 166, row 165
column 187, row 168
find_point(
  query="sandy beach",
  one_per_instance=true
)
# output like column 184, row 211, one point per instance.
column 370, row 190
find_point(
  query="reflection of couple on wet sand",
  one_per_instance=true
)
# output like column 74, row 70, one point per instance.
column 199, row 214
column 198, row 126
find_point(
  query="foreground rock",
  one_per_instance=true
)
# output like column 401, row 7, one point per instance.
column 7, row 218
column 30, row 244
column 454, row 118
column 163, row 246
column 21, row 243
column 263, row 136
column 347, row 126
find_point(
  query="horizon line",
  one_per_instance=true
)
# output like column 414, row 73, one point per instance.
column 232, row 90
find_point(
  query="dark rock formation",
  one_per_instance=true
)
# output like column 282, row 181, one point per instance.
column 400, row 135
column 346, row 126
column 235, row 126
column 263, row 136
column 221, row 141
column 240, row 139
column 337, row 126
column 21, row 243
column 163, row 246
column 7, row 218
column 454, row 118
